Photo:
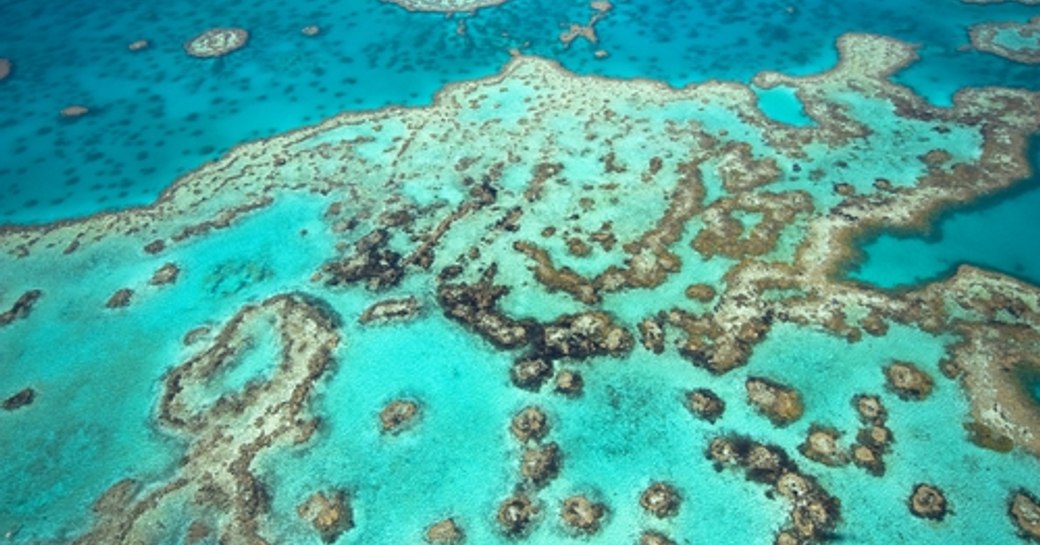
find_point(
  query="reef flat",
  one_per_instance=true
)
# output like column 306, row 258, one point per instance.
column 1019, row 42
column 552, row 308
column 446, row 6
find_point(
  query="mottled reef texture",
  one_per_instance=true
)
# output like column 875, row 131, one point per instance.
column 445, row 6
column 1019, row 42
column 216, row 42
column 225, row 434
column 573, row 191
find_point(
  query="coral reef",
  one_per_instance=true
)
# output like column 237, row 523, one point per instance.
column 530, row 373
column 814, row 512
column 20, row 399
column 216, row 42
column 821, row 445
column 928, row 502
column 445, row 532
column 21, row 308
column 398, row 415
column 1024, row 509
column 908, row 381
column 541, row 465
column 1019, row 42
column 582, row 514
column 391, row 310
column 570, row 383
column 661, row 500
column 446, row 6
column 224, row 437
column 705, row 404
column 120, row 298
column 330, row 514
column 167, row 274
column 530, row 424
column 781, row 404
column 516, row 514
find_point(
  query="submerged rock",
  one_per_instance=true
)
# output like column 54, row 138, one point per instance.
column 570, row 383
column 330, row 514
column 868, row 459
column 475, row 305
column 197, row 532
column 661, row 500
column 216, row 42
column 652, row 335
column 1024, row 509
column 821, row 445
column 5, row 68
column 584, row 335
column 530, row 424
column 541, row 465
column 516, row 513
column 445, row 532
column 398, row 415
column 120, row 298
column 74, row 110
column 870, row 408
column 908, row 381
column 371, row 262
column 167, row 274
column 651, row 537
column 927, row 501
column 21, row 308
column 530, row 373
column 781, row 404
column 391, row 310
column 705, row 404
column 582, row 514
column 21, row 399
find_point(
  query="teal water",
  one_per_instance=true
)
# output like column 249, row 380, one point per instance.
column 157, row 114
column 98, row 374
column 992, row 234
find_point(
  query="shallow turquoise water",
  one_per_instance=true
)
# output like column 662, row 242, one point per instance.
column 157, row 114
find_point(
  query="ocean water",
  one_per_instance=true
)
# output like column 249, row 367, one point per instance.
column 991, row 233
column 700, row 168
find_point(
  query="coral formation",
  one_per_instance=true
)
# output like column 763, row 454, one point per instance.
column 445, row 532
column 661, row 500
column 21, row 399
column 530, row 424
column 216, row 42
column 582, row 514
column 330, row 514
column 908, row 381
column 120, row 298
column 927, row 501
column 705, row 404
column 516, row 514
column 398, row 415
column 781, row 404
column 21, row 308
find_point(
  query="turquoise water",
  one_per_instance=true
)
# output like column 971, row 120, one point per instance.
column 633, row 211
column 156, row 114
column 993, row 234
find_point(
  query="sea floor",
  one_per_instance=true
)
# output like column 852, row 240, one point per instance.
column 467, row 271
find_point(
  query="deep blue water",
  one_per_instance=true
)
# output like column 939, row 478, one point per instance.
column 157, row 114
column 997, row 233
